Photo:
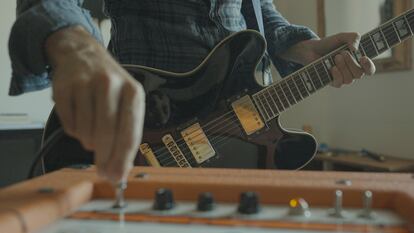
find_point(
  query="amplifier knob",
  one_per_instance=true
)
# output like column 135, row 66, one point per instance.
column 337, row 211
column 367, row 211
column 299, row 207
column 205, row 202
column 249, row 203
column 164, row 199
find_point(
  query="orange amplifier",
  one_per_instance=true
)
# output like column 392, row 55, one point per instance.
column 211, row 200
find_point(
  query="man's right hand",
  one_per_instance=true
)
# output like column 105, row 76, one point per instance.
column 98, row 102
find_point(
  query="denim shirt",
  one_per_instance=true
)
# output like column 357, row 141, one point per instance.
column 174, row 35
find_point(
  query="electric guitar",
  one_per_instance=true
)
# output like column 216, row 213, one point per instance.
column 191, row 116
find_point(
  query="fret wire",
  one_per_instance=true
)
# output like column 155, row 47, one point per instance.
column 291, row 90
column 273, row 100
column 385, row 39
column 373, row 43
column 403, row 23
column 303, row 85
column 267, row 106
column 257, row 104
column 279, row 101
column 317, row 74
column 311, row 81
column 411, row 15
column 326, row 75
column 262, row 110
column 288, row 93
column 279, row 93
column 408, row 24
column 396, row 31
column 391, row 35
column 296, row 92
column 327, row 71
column 297, row 87
column 362, row 49
column 270, row 106
column 332, row 60
column 318, row 70
column 369, row 46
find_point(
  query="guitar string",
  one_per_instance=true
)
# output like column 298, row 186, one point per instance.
column 261, row 97
column 207, row 129
column 214, row 142
column 320, row 78
column 166, row 156
column 217, row 129
column 170, row 159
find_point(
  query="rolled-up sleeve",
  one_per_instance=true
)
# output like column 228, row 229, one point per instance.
column 281, row 35
column 36, row 20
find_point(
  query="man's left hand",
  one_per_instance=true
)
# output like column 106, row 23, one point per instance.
column 346, row 68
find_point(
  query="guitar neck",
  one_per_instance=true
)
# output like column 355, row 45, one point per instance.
column 276, row 98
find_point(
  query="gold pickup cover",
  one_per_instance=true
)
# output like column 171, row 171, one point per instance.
column 198, row 143
column 248, row 115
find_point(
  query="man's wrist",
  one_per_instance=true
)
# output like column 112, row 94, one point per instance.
column 64, row 42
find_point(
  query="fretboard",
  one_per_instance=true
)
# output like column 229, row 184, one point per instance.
column 276, row 98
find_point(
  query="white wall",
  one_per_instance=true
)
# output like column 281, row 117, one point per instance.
column 375, row 113
column 37, row 104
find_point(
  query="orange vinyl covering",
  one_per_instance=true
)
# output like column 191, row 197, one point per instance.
column 31, row 205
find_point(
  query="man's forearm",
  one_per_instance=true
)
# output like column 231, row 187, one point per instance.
column 36, row 20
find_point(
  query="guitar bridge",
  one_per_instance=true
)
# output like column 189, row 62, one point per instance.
column 198, row 143
column 248, row 115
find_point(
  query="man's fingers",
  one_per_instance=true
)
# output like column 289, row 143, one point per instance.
column 353, row 66
column 337, row 77
column 84, row 113
column 107, row 98
column 129, row 131
column 343, row 69
column 368, row 66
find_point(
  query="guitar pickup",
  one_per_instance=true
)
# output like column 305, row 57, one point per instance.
column 175, row 151
column 197, row 141
column 248, row 115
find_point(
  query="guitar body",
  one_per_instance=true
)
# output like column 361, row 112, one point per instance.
column 201, row 104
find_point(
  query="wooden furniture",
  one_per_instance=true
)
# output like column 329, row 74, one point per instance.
column 31, row 205
column 356, row 162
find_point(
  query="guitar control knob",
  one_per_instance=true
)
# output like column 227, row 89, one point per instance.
column 249, row 203
column 205, row 202
column 164, row 199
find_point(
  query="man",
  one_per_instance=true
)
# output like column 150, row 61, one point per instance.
column 98, row 102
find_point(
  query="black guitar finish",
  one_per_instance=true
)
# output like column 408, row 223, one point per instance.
column 176, row 101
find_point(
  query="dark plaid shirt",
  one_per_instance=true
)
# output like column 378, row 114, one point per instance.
column 173, row 35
